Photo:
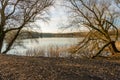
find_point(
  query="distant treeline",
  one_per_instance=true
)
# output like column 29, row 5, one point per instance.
column 29, row 34
column 47, row 35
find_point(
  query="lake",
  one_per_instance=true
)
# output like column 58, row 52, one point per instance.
column 41, row 43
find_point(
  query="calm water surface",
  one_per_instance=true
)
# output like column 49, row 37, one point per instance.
column 44, row 43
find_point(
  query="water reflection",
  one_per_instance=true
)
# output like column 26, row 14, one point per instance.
column 43, row 44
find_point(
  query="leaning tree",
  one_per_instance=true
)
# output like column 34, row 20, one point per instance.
column 18, row 14
column 99, row 19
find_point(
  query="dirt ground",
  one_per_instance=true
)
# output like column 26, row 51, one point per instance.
column 43, row 68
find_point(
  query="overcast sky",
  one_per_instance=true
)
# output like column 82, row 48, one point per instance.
column 57, row 17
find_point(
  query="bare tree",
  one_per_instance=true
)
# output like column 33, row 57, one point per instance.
column 99, row 18
column 118, row 3
column 17, row 14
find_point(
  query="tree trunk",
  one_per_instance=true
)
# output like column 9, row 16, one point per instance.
column 99, row 52
column 113, row 48
column 2, row 35
column 11, row 43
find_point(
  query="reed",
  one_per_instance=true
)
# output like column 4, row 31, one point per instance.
column 51, row 51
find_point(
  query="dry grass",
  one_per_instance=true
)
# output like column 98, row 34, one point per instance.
column 35, row 52
column 51, row 51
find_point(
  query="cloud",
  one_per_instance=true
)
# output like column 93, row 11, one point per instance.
column 58, row 16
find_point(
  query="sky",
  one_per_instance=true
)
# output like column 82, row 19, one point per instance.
column 57, row 18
